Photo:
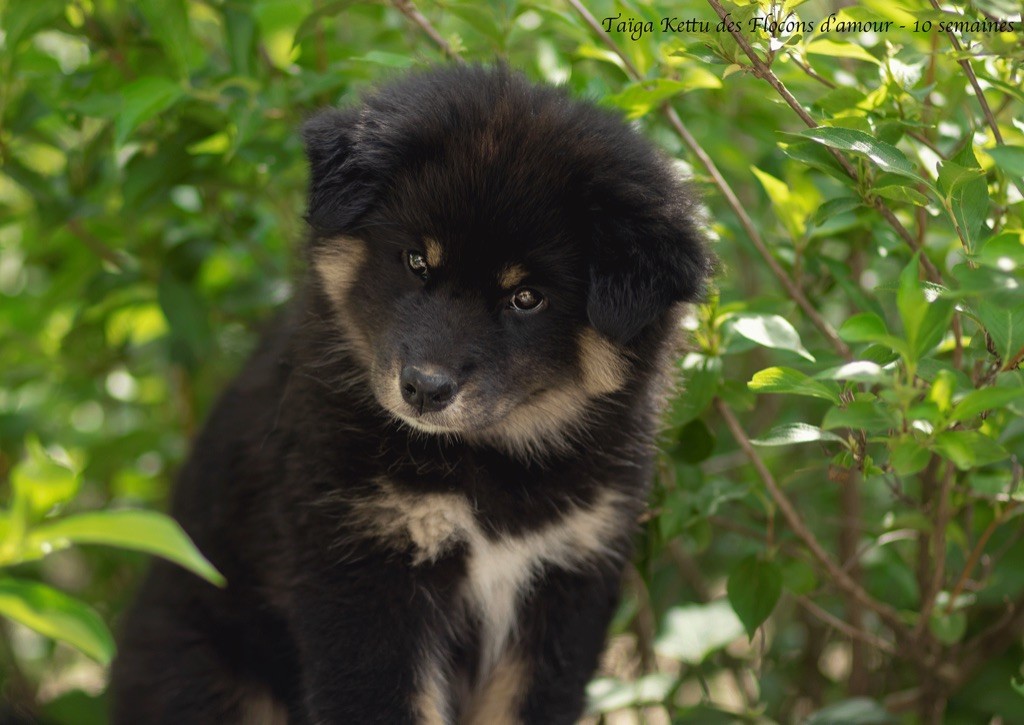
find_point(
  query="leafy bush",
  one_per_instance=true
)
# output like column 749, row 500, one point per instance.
column 834, row 534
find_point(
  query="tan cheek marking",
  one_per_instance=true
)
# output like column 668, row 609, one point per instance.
column 338, row 268
column 434, row 253
column 603, row 366
column 511, row 276
column 498, row 703
column 339, row 265
column 544, row 423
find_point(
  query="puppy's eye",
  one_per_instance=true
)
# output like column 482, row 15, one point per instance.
column 527, row 300
column 417, row 263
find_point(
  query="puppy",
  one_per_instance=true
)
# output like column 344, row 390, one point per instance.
column 423, row 486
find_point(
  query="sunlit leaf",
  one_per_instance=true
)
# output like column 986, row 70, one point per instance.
column 968, row 448
column 978, row 401
column 56, row 615
column 787, row 380
column 840, row 49
column 770, row 331
column 606, row 694
column 691, row 632
column 43, row 481
column 886, row 156
column 788, row 433
column 145, row 531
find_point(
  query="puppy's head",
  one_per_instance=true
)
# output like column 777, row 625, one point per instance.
column 499, row 256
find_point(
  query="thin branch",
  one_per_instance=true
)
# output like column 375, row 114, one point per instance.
column 850, row 631
column 969, row 72
column 590, row 20
column 942, row 514
column 409, row 10
column 794, row 292
column 763, row 71
column 838, row 575
column 96, row 245
column 994, row 640
column 986, row 110
column 811, row 72
column 975, row 555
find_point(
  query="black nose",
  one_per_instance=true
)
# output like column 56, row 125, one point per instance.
column 427, row 389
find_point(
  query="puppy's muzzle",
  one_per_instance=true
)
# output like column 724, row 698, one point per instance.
column 428, row 389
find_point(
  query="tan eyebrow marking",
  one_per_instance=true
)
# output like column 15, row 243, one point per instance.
column 434, row 255
column 512, row 276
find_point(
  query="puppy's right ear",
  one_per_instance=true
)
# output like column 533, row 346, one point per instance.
column 342, row 184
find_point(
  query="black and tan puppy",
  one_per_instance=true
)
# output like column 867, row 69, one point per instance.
column 423, row 486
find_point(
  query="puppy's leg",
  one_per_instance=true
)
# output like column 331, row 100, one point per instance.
column 543, row 680
column 180, row 660
column 373, row 639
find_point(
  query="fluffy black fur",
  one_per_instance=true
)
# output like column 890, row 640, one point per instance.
column 360, row 536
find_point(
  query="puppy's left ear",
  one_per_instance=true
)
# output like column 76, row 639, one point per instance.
column 643, row 264
column 343, row 180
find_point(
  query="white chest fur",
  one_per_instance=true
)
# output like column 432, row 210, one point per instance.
column 500, row 570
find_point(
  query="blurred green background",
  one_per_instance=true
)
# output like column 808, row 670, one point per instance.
column 834, row 535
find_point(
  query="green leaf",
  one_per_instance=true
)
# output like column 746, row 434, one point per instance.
column 141, row 100
column 754, row 588
column 815, row 156
column 1017, row 686
column 903, row 193
column 784, row 435
column 168, row 22
column 963, row 184
column 908, row 456
column 1005, row 327
column 864, row 327
column 855, row 711
column 947, row 628
column 1008, row 158
column 792, row 206
column 860, row 415
column 840, row 49
column 56, row 615
column 787, row 380
column 978, row 401
column 21, row 20
column 799, row 577
column 145, row 531
column 690, row 633
column 186, row 314
column 694, row 443
column 702, row 378
column 886, row 156
column 278, row 22
column 43, row 481
column 771, row 331
column 861, row 371
column 640, row 98
column 240, row 33
column 968, row 448
column 924, row 322
column 835, row 207
column 1004, row 251
column 607, row 694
